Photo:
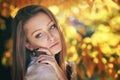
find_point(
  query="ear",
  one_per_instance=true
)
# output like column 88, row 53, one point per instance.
column 29, row 46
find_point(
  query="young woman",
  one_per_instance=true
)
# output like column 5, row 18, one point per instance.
column 39, row 47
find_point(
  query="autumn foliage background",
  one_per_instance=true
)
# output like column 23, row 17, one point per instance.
column 92, row 33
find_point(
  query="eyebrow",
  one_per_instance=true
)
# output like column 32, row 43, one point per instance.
column 50, row 22
column 35, row 31
column 40, row 29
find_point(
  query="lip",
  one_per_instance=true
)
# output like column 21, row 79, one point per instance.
column 54, row 44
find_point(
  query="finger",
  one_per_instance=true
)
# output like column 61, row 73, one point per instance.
column 49, row 57
column 45, row 59
column 44, row 50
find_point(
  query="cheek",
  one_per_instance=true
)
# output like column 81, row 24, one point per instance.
column 40, row 44
column 37, row 43
column 56, row 35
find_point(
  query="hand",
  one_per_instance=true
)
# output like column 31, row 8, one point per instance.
column 45, row 57
column 49, row 58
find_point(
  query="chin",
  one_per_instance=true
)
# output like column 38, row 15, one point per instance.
column 56, row 51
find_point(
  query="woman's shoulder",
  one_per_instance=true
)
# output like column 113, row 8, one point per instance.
column 71, row 68
column 40, row 72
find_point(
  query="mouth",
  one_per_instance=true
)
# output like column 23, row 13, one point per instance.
column 54, row 44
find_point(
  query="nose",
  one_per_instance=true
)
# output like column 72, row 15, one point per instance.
column 50, row 37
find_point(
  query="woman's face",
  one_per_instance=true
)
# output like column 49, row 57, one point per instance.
column 42, row 32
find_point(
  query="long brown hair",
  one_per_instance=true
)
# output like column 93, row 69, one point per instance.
column 20, row 52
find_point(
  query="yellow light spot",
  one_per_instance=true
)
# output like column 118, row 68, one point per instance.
column 95, row 60
column 89, row 47
column 110, row 65
column 87, row 40
column 93, row 54
column 104, row 60
column 4, row 59
column 75, row 10
column 111, row 59
column 118, row 71
column 54, row 9
column 116, row 75
column 7, row 54
column 14, row 11
column 83, row 46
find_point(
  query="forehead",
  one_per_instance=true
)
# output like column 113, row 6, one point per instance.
column 39, row 20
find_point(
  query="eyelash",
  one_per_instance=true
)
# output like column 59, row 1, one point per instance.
column 51, row 28
column 38, row 35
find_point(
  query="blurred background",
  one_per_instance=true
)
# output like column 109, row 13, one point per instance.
column 91, row 29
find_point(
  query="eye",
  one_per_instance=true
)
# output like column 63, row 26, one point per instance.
column 38, row 35
column 53, row 27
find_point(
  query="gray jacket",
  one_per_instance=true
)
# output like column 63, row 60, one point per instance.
column 39, row 71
